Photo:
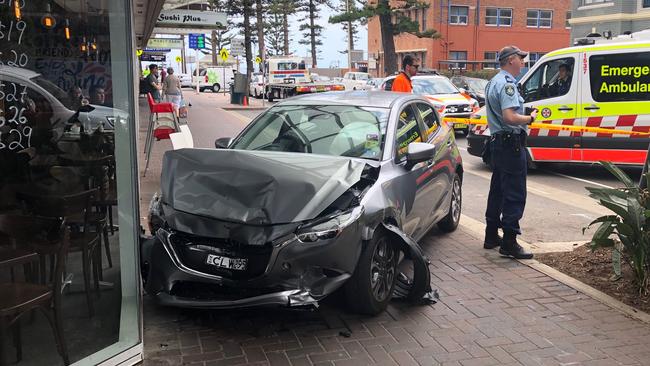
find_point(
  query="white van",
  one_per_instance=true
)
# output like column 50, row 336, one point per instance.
column 608, row 88
column 213, row 78
column 355, row 80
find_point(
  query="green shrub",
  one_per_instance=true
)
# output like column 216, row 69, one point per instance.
column 630, row 225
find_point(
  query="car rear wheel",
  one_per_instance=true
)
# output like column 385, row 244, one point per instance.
column 450, row 222
column 371, row 287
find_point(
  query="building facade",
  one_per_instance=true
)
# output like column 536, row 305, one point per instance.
column 473, row 31
column 615, row 16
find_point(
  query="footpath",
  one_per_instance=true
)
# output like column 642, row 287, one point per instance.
column 492, row 310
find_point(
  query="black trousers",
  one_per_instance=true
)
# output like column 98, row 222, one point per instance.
column 507, row 198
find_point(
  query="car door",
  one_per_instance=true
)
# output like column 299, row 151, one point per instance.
column 555, row 107
column 615, row 96
column 437, row 179
column 416, row 190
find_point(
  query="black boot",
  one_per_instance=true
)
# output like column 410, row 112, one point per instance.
column 511, row 248
column 492, row 238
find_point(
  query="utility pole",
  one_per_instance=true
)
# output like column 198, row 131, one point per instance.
column 183, row 61
column 347, row 10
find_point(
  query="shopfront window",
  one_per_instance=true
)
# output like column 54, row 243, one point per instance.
column 68, row 216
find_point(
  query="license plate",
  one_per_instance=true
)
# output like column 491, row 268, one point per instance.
column 238, row 264
column 460, row 125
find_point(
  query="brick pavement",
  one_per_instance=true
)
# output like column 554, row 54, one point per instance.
column 492, row 311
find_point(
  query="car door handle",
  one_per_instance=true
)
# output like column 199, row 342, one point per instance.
column 565, row 108
column 592, row 107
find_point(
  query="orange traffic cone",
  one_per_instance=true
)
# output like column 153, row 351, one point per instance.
column 245, row 100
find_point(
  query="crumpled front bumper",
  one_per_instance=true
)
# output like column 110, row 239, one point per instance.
column 297, row 274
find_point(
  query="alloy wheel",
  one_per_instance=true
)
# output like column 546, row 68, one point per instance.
column 382, row 270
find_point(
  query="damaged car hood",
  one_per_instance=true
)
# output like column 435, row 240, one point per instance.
column 255, row 187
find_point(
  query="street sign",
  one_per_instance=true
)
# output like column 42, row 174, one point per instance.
column 224, row 54
column 138, row 53
column 157, row 50
column 179, row 59
column 173, row 43
column 153, row 57
column 258, row 60
column 237, row 46
column 197, row 41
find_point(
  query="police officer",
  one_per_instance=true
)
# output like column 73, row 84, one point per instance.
column 508, row 129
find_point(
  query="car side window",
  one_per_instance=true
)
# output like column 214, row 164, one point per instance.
column 550, row 80
column 388, row 85
column 430, row 119
column 407, row 131
column 620, row 77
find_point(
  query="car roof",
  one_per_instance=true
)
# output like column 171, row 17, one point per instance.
column 439, row 77
column 361, row 98
column 17, row 72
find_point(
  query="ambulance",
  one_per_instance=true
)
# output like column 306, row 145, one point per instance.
column 607, row 88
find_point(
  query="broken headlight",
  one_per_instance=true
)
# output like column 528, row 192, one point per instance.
column 328, row 228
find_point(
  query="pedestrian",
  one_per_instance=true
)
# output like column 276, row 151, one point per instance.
column 172, row 89
column 154, row 85
column 402, row 82
column 507, row 156
column 163, row 74
column 97, row 95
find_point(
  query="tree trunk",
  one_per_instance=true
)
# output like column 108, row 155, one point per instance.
column 387, row 40
column 285, row 29
column 215, row 55
column 312, row 32
column 248, row 4
column 350, row 36
column 260, row 32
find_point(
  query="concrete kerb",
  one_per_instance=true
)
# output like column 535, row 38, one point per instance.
column 477, row 229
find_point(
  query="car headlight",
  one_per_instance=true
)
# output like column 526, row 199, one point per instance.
column 329, row 229
column 111, row 120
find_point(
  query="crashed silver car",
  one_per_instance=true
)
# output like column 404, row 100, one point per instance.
column 320, row 192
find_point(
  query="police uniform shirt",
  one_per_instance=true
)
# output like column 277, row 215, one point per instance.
column 502, row 93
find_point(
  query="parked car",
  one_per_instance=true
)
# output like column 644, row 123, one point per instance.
column 475, row 87
column 445, row 97
column 319, row 192
column 353, row 80
column 257, row 84
column 373, row 84
column 186, row 80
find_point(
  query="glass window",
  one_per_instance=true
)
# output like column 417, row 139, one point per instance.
column 328, row 130
column 407, row 131
column 433, row 85
column 429, row 118
column 423, row 22
column 536, row 18
column 67, row 154
column 620, row 77
column 458, row 55
column 492, row 56
column 552, row 79
column 646, row 4
column 458, row 14
column 589, row 2
column 499, row 17
column 568, row 18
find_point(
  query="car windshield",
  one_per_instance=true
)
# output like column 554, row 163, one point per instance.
column 56, row 92
column 477, row 84
column 339, row 130
column 431, row 86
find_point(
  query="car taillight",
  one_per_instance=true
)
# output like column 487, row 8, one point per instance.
column 206, row 78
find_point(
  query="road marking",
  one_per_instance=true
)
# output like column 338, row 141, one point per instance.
column 238, row 116
column 578, row 179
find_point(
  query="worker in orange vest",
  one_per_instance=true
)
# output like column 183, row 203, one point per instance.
column 402, row 82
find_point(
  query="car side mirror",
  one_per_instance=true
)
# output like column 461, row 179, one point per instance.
column 222, row 142
column 418, row 152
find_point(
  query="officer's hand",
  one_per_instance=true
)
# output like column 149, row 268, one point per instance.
column 533, row 114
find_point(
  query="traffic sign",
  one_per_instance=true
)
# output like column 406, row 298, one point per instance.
column 258, row 60
column 179, row 59
column 138, row 53
column 224, row 54
column 197, row 41
column 153, row 57
column 237, row 46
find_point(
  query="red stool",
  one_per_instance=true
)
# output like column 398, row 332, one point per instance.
column 160, row 133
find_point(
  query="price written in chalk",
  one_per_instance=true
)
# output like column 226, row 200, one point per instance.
column 12, row 31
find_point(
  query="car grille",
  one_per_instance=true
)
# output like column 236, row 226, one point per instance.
column 458, row 108
column 206, row 291
column 193, row 252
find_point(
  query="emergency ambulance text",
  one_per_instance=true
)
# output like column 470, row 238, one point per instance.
column 623, row 87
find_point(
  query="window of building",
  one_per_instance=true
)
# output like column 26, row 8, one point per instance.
column 537, row 18
column 620, row 77
column 458, row 55
column 534, row 57
column 423, row 22
column 645, row 4
column 498, row 17
column 458, row 15
column 590, row 2
column 568, row 17
column 491, row 56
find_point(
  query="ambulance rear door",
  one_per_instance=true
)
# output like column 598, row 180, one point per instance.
column 556, row 101
column 616, row 95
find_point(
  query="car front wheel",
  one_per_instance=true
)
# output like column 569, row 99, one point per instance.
column 216, row 87
column 450, row 222
column 371, row 287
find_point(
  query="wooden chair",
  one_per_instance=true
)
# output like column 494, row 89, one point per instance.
column 76, row 209
column 48, row 237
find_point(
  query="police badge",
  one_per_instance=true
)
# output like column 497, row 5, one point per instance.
column 510, row 90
